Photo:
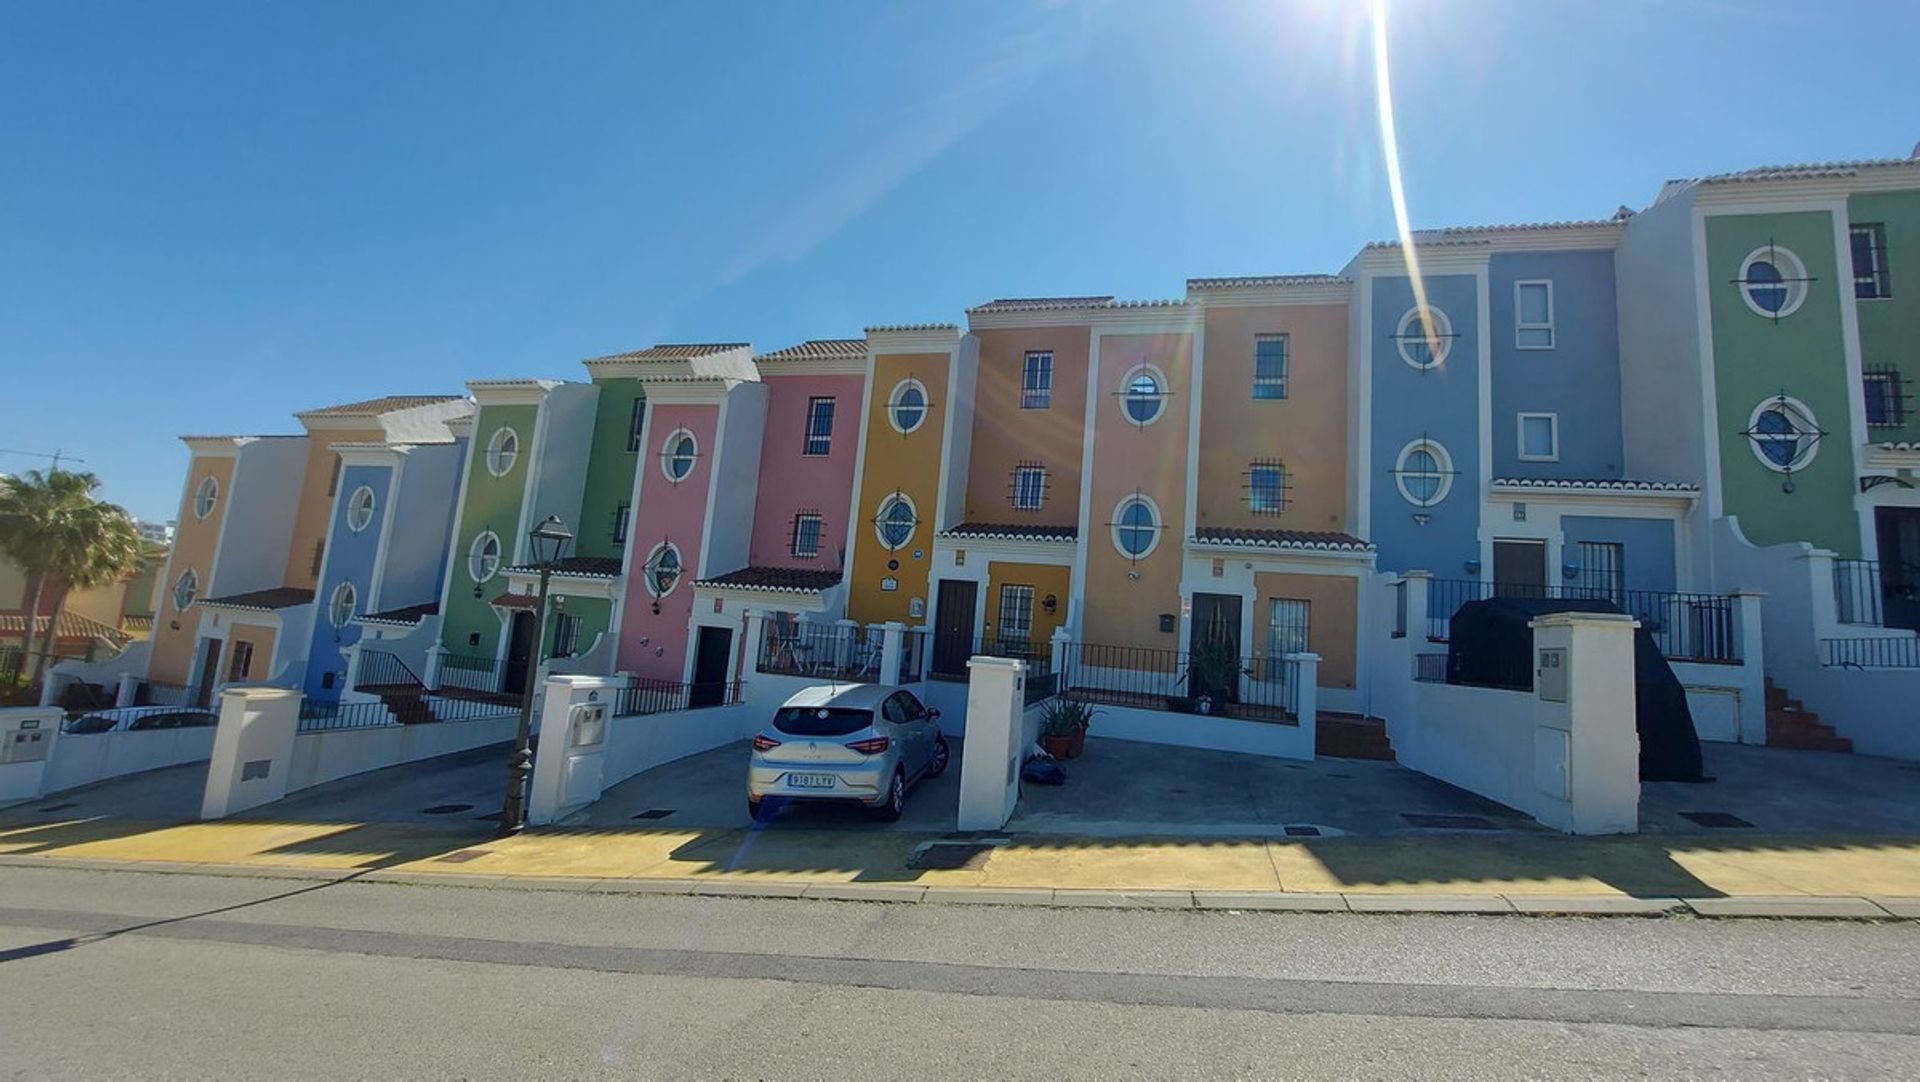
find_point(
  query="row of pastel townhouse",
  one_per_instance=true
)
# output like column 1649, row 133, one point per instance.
column 1700, row 411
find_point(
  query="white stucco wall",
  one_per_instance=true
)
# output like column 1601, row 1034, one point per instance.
column 422, row 524
column 734, row 485
column 82, row 759
column 258, row 529
column 566, row 437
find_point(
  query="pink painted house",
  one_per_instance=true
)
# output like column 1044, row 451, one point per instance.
column 807, row 457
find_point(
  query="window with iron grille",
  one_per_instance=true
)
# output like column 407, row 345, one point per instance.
column 637, row 422
column 1266, row 488
column 1603, row 570
column 807, row 527
column 819, row 426
column 566, row 635
column 621, row 516
column 1016, row 616
column 1270, row 366
column 1886, row 397
column 242, row 663
column 1870, row 279
column 1036, row 380
column 1029, row 486
column 1287, row 620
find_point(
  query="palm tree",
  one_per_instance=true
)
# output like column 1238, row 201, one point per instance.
column 51, row 525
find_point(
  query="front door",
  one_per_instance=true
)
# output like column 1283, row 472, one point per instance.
column 519, row 653
column 953, row 634
column 1898, row 530
column 710, row 667
column 209, row 672
column 1213, row 647
column 1519, row 569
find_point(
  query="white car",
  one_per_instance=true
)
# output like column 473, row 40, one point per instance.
column 847, row 742
column 128, row 719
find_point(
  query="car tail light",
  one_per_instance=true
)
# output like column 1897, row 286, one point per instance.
column 764, row 742
column 871, row 747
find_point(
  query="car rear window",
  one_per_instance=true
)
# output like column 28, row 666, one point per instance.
column 821, row 721
column 92, row 723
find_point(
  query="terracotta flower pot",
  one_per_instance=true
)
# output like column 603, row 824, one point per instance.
column 1060, row 747
column 1077, row 744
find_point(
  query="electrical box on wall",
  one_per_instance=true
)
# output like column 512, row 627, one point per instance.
column 1550, row 675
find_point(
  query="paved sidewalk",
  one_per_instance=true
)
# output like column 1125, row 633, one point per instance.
column 1770, row 875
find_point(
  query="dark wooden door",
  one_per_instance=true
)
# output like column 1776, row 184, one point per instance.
column 519, row 653
column 209, row 673
column 953, row 631
column 1898, row 531
column 1213, row 647
column 1519, row 569
column 710, row 667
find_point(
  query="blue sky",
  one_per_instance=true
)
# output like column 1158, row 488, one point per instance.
column 214, row 215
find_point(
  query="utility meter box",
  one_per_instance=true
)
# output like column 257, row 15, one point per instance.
column 588, row 723
column 1550, row 675
column 25, row 740
column 582, row 774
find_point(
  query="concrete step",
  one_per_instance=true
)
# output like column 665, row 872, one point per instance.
column 1791, row 725
column 1351, row 736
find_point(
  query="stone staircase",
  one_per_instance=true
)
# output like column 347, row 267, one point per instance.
column 1791, row 725
column 407, row 702
column 1351, row 736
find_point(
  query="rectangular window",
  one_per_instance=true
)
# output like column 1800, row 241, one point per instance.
column 242, row 664
column 1603, row 570
column 806, row 535
column 1870, row 281
column 636, row 423
column 1539, row 437
column 566, row 635
column 1886, row 402
column 1266, row 488
column 621, row 515
column 1036, row 381
column 1029, row 487
column 1270, row 366
column 1016, row 617
column 1533, row 314
column 819, row 426
column 1286, row 627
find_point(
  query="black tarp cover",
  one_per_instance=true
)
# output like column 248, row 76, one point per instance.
column 1491, row 644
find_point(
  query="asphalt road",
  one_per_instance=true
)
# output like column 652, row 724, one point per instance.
column 118, row 974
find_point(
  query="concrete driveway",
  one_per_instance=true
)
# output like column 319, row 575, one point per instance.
column 1786, row 791
column 710, row 790
column 170, row 794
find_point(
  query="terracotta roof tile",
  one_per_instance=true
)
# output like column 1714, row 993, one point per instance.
column 796, row 580
column 1011, row 531
column 819, row 348
column 1288, row 539
column 375, row 407
column 277, row 597
column 593, row 567
column 1268, row 280
column 72, row 626
column 1595, row 484
column 412, row 614
column 670, row 351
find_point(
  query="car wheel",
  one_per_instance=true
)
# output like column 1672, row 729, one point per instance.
column 895, row 804
column 941, row 756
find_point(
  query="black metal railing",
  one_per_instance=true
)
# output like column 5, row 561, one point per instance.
column 913, row 655
column 160, row 693
column 833, row 651
column 474, row 675
column 381, row 670
column 324, row 716
column 1430, row 668
column 1858, row 591
column 947, row 657
column 1189, row 682
column 1686, row 627
column 659, row 697
column 1041, row 687
column 1902, row 653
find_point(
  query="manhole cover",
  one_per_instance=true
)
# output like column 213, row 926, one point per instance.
column 1720, row 820
column 1303, row 832
column 1447, row 822
column 655, row 813
column 57, row 807
column 446, row 809
column 463, row 856
column 949, row 856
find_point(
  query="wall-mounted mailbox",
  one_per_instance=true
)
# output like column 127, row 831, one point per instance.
column 1550, row 675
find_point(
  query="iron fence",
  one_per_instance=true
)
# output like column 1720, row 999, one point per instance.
column 379, row 669
column 660, row 697
column 1042, row 687
column 836, row 651
column 1858, row 592
column 473, row 674
column 1903, row 653
column 318, row 715
column 159, row 693
column 913, row 655
column 1686, row 627
column 1430, row 668
column 1204, row 681
column 948, row 660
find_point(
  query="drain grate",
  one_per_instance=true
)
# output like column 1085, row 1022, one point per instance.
column 655, row 813
column 1448, row 822
column 1717, row 819
column 56, row 807
column 951, row 856
column 1342, row 777
column 463, row 856
column 1303, row 832
column 446, row 809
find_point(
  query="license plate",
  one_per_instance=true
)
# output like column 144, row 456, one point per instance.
column 810, row 781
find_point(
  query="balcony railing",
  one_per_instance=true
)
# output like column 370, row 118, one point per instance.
column 470, row 675
column 657, row 697
column 1885, row 653
column 950, row 654
column 1252, row 688
column 833, row 651
column 381, row 671
column 913, row 654
column 1686, row 627
column 1858, row 591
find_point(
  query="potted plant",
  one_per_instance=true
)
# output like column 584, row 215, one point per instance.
column 1063, row 727
column 1213, row 676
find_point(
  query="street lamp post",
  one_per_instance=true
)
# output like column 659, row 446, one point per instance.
column 549, row 540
